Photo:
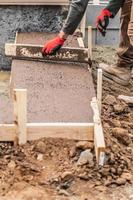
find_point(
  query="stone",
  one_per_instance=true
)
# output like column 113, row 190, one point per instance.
column 110, row 100
column 63, row 192
column 11, row 165
column 84, row 145
column 83, row 176
column 86, row 157
column 119, row 108
column 128, row 176
column 72, row 152
column 40, row 157
column 116, row 123
column 122, row 135
column 121, row 181
column 41, row 147
column 67, row 176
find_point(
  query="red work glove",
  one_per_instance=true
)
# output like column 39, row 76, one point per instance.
column 102, row 21
column 52, row 46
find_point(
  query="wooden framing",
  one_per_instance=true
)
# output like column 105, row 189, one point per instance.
column 33, row 2
column 90, row 41
column 99, row 89
column 99, row 142
column 21, row 131
column 34, row 52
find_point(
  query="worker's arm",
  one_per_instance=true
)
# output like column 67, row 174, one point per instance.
column 75, row 15
column 114, row 6
column 108, row 12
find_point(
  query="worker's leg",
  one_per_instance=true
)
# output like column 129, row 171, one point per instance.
column 125, row 51
column 121, row 72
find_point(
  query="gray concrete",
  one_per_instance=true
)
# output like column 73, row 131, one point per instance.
column 26, row 19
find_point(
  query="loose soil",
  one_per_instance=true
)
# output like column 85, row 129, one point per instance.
column 48, row 169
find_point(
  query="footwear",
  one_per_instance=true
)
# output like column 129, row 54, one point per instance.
column 120, row 75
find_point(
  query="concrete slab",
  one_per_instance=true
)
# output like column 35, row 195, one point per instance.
column 56, row 92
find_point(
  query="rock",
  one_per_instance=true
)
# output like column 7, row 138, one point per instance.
column 108, row 182
column 86, row 157
column 72, row 152
column 11, row 165
column 119, row 171
column 63, row 192
column 128, row 176
column 116, row 123
column 121, row 181
column 122, row 135
column 40, row 157
column 83, row 176
column 110, row 100
column 41, row 147
column 84, row 145
column 101, row 188
column 105, row 171
column 119, row 108
column 67, row 176
column 126, row 99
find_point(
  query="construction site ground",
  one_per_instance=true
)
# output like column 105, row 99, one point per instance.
column 53, row 169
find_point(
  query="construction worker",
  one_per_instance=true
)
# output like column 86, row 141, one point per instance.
column 121, row 71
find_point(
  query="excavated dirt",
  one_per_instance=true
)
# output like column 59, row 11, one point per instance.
column 49, row 169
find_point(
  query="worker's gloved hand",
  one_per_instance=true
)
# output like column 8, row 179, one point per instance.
column 102, row 21
column 52, row 46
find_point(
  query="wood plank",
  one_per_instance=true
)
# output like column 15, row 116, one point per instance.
column 34, row 52
column 34, row 2
column 98, row 133
column 90, row 41
column 7, row 132
column 20, row 109
column 81, row 42
column 35, row 131
column 99, row 89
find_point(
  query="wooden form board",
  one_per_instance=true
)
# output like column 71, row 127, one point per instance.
column 35, row 131
column 34, row 2
column 34, row 52
column 77, row 131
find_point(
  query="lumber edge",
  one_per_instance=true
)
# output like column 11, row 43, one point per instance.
column 99, row 141
column 35, row 131
column 34, row 52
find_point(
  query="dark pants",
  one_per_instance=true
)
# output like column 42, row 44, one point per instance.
column 125, row 51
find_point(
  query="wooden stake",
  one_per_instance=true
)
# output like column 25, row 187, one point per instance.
column 20, row 114
column 99, row 89
column 81, row 42
column 90, row 42
column 98, row 133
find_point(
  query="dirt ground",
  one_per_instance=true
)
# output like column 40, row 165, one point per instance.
column 55, row 169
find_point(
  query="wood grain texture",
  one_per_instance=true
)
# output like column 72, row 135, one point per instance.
column 34, row 2
column 34, row 52
column 35, row 131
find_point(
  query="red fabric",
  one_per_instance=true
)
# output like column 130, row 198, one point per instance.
column 52, row 44
column 104, row 13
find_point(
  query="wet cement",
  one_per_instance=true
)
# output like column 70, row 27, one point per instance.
column 57, row 92
column 6, row 106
